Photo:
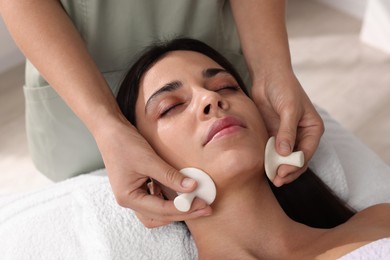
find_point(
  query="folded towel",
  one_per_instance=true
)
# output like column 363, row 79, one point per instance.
column 80, row 219
column 365, row 179
column 326, row 165
column 377, row 250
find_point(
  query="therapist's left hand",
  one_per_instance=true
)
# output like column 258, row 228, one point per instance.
column 291, row 117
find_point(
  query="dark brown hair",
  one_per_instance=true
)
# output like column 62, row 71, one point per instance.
column 306, row 200
column 309, row 201
column 128, row 92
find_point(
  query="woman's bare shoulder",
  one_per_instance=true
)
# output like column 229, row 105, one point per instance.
column 377, row 214
column 366, row 226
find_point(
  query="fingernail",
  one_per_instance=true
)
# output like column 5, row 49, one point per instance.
column 285, row 147
column 187, row 183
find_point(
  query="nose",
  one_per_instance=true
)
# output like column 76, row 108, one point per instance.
column 208, row 107
column 211, row 104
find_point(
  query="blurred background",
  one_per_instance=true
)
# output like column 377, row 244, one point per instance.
column 340, row 52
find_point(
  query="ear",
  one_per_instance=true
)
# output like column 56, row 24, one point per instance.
column 157, row 189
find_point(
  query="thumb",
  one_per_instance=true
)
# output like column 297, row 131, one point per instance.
column 285, row 138
column 173, row 179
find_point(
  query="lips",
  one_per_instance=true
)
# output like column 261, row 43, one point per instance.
column 221, row 125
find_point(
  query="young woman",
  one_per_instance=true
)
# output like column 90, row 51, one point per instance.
column 191, row 106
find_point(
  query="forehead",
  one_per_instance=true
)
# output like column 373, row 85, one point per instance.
column 175, row 65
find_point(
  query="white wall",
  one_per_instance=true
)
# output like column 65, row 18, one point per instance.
column 9, row 53
column 355, row 8
column 376, row 25
column 375, row 16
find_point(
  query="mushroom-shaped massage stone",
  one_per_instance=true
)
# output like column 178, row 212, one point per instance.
column 272, row 159
column 205, row 190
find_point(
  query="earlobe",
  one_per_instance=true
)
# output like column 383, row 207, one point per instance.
column 154, row 189
column 157, row 189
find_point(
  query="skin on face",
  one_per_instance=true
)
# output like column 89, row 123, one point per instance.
column 194, row 114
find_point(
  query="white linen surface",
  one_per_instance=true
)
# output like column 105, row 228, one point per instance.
column 80, row 219
column 358, row 175
column 377, row 250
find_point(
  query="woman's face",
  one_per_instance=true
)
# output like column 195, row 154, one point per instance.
column 194, row 114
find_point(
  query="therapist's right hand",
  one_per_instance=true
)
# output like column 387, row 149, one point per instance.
column 130, row 162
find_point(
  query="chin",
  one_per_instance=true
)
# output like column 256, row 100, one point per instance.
column 236, row 165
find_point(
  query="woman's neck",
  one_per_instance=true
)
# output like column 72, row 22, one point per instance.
column 248, row 221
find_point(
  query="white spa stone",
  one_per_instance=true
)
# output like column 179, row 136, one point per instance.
column 272, row 160
column 205, row 190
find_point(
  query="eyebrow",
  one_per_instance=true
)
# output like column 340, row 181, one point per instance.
column 174, row 85
column 211, row 72
column 169, row 87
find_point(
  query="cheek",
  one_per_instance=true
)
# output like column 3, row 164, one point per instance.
column 256, row 120
column 174, row 145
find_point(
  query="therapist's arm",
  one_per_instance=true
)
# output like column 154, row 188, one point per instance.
column 286, row 109
column 48, row 38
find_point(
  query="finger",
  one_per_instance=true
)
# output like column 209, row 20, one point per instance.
column 199, row 204
column 310, row 132
column 308, row 140
column 284, row 170
column 280, row 181
column 172, row 178
column 288, row 179
column 153, row 207
column 149, row 222
column 287, row 174
column 156, row 222
column 285, row 138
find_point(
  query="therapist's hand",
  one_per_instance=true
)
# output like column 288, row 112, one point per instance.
column 291, row 117
column 131, row 162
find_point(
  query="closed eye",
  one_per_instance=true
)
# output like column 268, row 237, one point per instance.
column 229, row 88
column 170, row 109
